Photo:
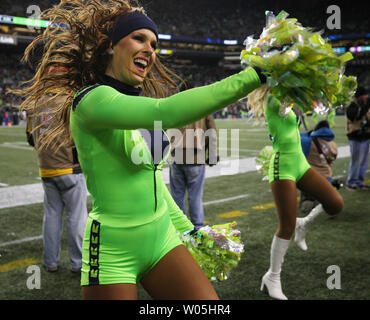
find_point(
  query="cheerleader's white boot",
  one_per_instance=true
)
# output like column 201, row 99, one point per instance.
column 302, row 225
column 271, row 279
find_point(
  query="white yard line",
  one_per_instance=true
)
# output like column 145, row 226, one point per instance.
column 3, row 133
column 21, row 195
column 14, row 146
column 343, row 152
column 225, row 200
column 244, row 139
column 9, row 243
column 19, row 143
column 242, row 150
column 33, row 193
column 4, row 244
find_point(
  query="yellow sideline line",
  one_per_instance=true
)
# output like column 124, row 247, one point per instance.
column 232, row 214
column 17, row 264
column 238, row 213
column 264, row 206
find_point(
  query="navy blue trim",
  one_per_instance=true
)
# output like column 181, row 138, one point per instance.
column 276, row 166
column 119, row 86
column 82, row 94
column 75, row 155
column 130, row 22
column 77, row 170
column 94, row 253
column 155, row 188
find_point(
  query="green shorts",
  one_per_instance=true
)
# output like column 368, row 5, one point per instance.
column 288, row 166
column 112, row 254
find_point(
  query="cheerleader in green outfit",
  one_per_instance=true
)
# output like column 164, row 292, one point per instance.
column 301, row 69
column 116, row 87
column 288, row 170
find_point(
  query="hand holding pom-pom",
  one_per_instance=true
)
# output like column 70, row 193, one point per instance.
column 300, row 65
column 263, row 161
column 217, row 249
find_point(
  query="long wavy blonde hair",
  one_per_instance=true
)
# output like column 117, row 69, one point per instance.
column 77, row 41
column 257, row 100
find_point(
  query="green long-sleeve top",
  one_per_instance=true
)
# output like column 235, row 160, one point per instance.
column 126, row 186
column 282, row 129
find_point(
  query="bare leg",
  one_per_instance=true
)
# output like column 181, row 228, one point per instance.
column 316, row 185
column 119, row 291
column 177, row 276
column 330, row 200
column 285, row 196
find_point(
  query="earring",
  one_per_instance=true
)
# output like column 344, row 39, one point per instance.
column 110, row 51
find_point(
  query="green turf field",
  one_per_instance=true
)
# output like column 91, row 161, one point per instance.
column 343, row 241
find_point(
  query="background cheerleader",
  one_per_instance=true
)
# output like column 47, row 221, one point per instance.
column 301, row 68
column 288, row 170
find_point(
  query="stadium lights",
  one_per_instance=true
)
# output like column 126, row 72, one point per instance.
column 164, row 36
column 339, row 49
column 164, row 51
column 231, row 42
column 38, row 23
column 360, row 49
column 8, row 39
column 347, row 36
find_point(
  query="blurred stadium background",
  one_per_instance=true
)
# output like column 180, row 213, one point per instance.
column 200, row 40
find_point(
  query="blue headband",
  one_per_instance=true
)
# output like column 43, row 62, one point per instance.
column 131, row 22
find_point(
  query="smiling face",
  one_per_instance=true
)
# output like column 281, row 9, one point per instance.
column 133, row 57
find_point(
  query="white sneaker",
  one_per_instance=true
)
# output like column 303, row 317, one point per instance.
column 300, row 233
column 273, row 285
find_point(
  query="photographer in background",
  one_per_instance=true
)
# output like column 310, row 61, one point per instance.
column 64, row 190
column 321, row 151
column 191, row 152
column 358, row 133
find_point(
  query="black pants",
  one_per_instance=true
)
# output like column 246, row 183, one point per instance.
column 307, row 202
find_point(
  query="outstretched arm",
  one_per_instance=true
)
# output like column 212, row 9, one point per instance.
column 104, row 107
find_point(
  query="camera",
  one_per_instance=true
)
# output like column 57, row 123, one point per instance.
column 337, row 184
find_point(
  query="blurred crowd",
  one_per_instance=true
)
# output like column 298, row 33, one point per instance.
column 232, row 19
column 13, row 73
column 236, row 19
column 11, row 76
